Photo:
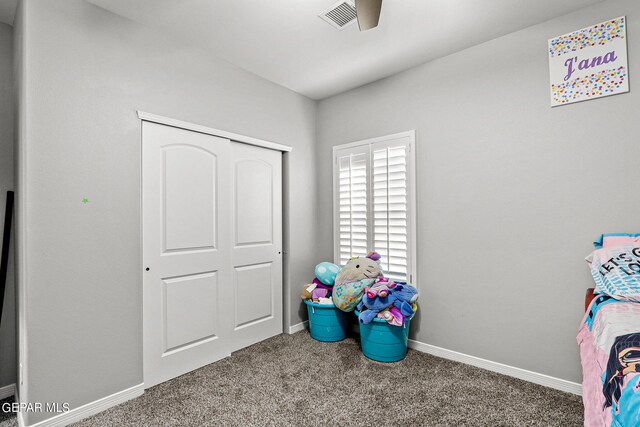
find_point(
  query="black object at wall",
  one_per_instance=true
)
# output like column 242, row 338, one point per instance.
column 6, row 237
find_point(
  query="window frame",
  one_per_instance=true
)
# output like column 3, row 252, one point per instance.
column 410, row 136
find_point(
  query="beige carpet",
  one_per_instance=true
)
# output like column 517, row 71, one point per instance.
column 293, row 380
column 7, row 419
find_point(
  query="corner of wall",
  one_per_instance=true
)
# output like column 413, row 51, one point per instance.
column 19, row 152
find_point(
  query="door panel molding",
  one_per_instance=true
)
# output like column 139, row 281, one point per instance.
column 256, row 178
column 204, row 238
column 188, row 311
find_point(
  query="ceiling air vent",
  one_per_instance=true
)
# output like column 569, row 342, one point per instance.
column 340, row 15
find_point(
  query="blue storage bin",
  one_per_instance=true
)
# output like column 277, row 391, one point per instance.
column 326, row 322
column 383, row 342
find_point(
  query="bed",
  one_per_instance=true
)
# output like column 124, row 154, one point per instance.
column 609, row 340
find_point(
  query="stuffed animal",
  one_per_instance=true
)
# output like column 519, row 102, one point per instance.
column 406, row 292
column 392, row 315
column 347, row 295
column 406, row 296
column 359, row 268
column 326, row 272
column 357, row 274
column 383, row 295
column 314, row 291
column 380, row 288
column 325, row 301
column 321, row 287
column 369, row 307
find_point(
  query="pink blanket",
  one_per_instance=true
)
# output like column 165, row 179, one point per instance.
column 609, row 340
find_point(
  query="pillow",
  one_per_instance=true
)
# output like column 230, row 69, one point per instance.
column 616, row 271
column 610, row 240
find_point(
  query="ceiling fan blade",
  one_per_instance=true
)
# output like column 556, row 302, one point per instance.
column 368, row 12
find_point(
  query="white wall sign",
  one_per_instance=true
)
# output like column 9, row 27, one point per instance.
column 589, row 63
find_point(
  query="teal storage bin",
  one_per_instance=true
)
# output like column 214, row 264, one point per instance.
column 327, row 323
column 383, row 342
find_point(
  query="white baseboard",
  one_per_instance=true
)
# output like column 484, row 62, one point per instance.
column 87, row 410
column 512, row 371
column 20, row 417
column 299, row 327
column 7, row 391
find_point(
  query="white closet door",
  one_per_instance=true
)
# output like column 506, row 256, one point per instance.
column 188, row 297
column 257, row 244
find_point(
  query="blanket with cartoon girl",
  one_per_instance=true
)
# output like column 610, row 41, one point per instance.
column 609, row 340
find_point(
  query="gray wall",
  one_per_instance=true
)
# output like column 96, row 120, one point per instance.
column 510, row 191
column 20, row 145
column 88, row 73
column 7, row 330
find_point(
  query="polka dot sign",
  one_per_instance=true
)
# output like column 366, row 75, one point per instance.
column 589, row 63
column 599, row 34
column 603, row 83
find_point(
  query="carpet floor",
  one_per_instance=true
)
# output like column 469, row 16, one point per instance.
column 293, row 380
column 7, row 418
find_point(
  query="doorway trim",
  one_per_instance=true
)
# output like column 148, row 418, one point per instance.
column 211, row 131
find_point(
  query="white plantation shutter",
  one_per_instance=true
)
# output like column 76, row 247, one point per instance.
column 374, row 203
column 390, row 214
column 353, row 171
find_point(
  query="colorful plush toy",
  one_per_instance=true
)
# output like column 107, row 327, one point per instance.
column 321, row 288
column 406, row 292
column 392, row 315
column 314, row 291
column 381, row 288
column 350, row 283
column 359, row 268
column 325, row 301
column 384, row 295
column 326, row 272
column 370, row 307
column 347, row 295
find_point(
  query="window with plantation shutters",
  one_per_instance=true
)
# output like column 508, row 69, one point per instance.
column 374, row 203
column 353, row 204
column 390, row 227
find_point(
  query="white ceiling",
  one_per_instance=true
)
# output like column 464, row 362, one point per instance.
column 7, row 11
column 284, row 40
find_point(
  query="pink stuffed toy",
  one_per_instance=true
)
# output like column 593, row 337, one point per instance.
column 380, row 288
column 392, row 315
